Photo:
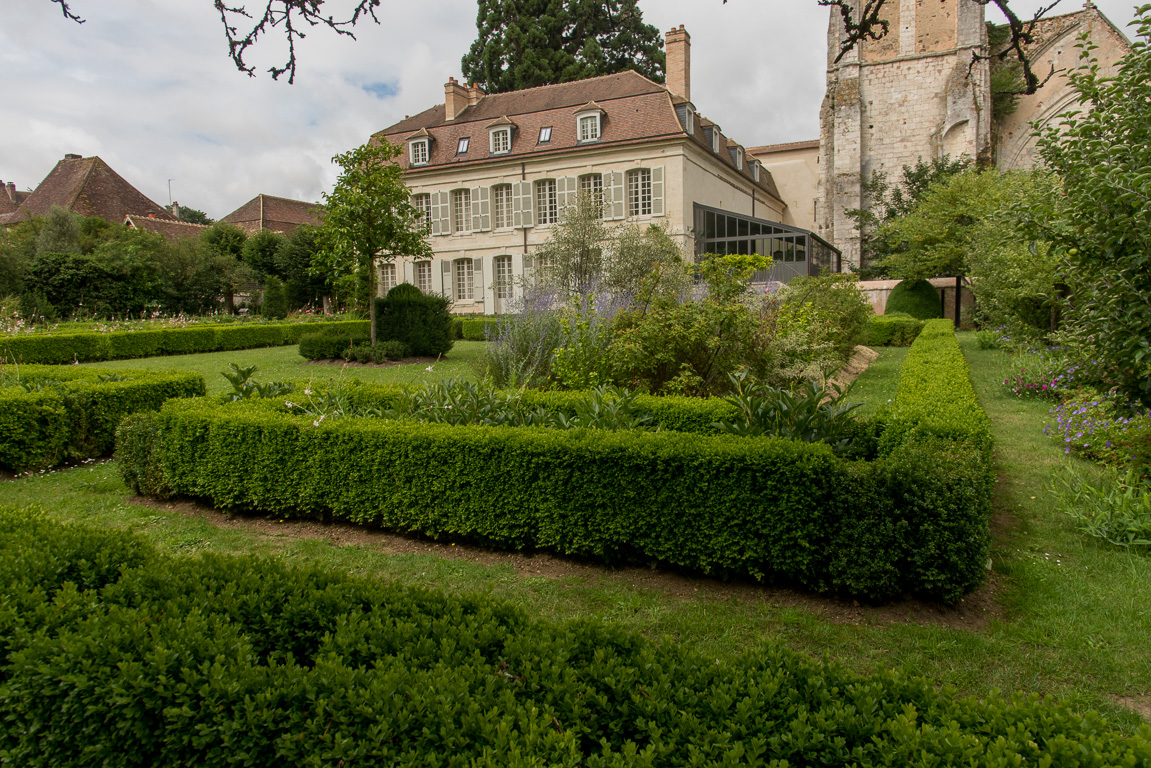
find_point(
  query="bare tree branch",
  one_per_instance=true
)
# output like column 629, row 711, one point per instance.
column 1022, row 35
column 869, row 27
column 67, row 11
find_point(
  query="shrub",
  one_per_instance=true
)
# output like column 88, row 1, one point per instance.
column 1104, row 429
column 275, row 304
column 115, row 654
column 478, row 328
column 330, row 344
column 1046, row 374
column 891, row 330
column 49, row 416
column 837, row 307
column 381, row 352
column 420, row 322
column 521, row 352
column 917, row 298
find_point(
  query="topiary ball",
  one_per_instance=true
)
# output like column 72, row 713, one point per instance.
column 405, row 291
column 917, row 298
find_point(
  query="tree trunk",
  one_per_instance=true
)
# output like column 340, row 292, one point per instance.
column 372, row 298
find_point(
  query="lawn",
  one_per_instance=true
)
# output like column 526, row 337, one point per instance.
column 1063, row 615
column 285, row 364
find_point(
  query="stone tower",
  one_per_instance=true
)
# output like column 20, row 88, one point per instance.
column 916, row 93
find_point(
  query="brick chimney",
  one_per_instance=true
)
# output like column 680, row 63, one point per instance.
column 475, row 93
column 71, row 156
column 455, row 98
column 677, row 46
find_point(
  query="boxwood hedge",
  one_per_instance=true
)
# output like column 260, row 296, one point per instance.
column 64, row 348
column 115, row 655
column 478, row 328
column 898, row 330
column 71, row 414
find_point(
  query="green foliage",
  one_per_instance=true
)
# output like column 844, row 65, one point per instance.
column 812, row 413
column 368, row 216
column 528, row 43
column 225, row 239
column 260, row 252
column 49, row 416
column 380, row 352
column 581, row 356
column 1007, row 83
column 115, row 654
column 1116, row 507
column 891, row 330
column 915, row 297
column 64, row 348
column 1102, row 151
column 294, row 264
column 59, row 233
column 836, row 310
column 332, row 344
column 884, row 203
column 275, row 304
column 192, row 215
column 421, row 323
column 476, row 328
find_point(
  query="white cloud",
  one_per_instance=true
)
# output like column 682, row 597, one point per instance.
column 149, row 87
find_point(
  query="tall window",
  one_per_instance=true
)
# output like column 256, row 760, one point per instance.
column 501, row 206
column 462, row 210
column 387, row 277
column 739, row 158
column 423, row 204
column 465, row 280
column 591, row 184
column 503, row 277
column 424, row 276
column 639, row 192
column 545, row 268
column 589, row 127
column 501, row 140
column 547, row 203
column 419, row 152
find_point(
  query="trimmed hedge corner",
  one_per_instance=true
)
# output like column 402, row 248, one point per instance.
column 117, row 655
column 917, row 298
column 55, row 415
column 479, row 328
column 891, row 330
column 62, row 349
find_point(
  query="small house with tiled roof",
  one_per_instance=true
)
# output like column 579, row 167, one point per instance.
column 279, row 214
column 171, row 229
column 86, row 186
column 10, row 198
column 495, row 173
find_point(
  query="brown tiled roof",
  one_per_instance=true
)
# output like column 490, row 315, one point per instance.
column 767, row 149
column 278, row 214
column 10, row 197
column 87, row 186
column 635, row 109
column 171, row 230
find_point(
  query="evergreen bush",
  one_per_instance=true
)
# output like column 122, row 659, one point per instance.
column 275, row 305
column 895, row 329
column 422, row 323
column 917, row 298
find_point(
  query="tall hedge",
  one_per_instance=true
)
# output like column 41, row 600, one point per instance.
column 116, row 655
column 64, row 348
column 421, row 322
column 73, row 415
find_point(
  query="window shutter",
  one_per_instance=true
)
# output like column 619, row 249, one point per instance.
column 449, row 283
column 517, row 211
column 478, row 278
column 434, row 212
column 485, row 209
column 567, row 191
column 445, row 215
column 475, row 201
column 618, row 197
column 657, row 191
column 523, row 211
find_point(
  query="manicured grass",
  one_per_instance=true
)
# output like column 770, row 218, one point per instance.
column 876, row 386
column 285, row 364
column 1068, row 614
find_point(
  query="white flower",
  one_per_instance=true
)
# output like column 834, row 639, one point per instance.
column 430, row 368
column 288, row 403
column 307, row 391
column 315, row 423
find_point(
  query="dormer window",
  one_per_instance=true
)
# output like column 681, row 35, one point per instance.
column 589, row 128
column 418, row 152
column 501, row 140
column 545, row 134
column 755, row 170
column 689, row 122
column 715, row 139
column 462, row 147
column 739, row 158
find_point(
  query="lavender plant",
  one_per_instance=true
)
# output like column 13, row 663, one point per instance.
column 521, row 349
column 1102, row 428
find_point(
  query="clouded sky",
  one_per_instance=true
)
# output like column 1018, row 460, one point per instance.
column 148, row 86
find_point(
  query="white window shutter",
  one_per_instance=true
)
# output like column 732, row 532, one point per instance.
column 517, row 209
column 485, row 209
column 449, row 281
column 445, row 213
column 618, row 197
column 657, row 191
column 478, row 278
column 475, row 201
column 434, row 212
column 523, row 211
column 567, row 191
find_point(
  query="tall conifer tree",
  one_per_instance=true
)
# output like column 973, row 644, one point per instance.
column 527, row 43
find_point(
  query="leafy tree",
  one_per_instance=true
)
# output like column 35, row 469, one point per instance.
column 884, row 202
column 191, row 215
column 294, row 263
column 275, row 305
column 60, row 232
column 225, row 241
column 527, row 43
column 369, row 217
column 935, row 236
column 260, row 252
column 1102, row 152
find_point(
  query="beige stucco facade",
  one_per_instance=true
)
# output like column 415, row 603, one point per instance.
column 682, row 175
column 795, row 168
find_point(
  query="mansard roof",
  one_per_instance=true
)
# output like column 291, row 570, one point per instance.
column 279, row 214
column 633, row 110
column 87, row 186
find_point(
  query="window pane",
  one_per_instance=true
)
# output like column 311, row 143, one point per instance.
column 503, row 277
column 545, row 134
column 589, row 128
column 462, row 210
column 639, row 192
column 423, row 204
column 463, row 146
column 742, row 225
column 501, row 140
column 465, row 288
column 547, row 204
column 502, row 206
column 424, row 276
